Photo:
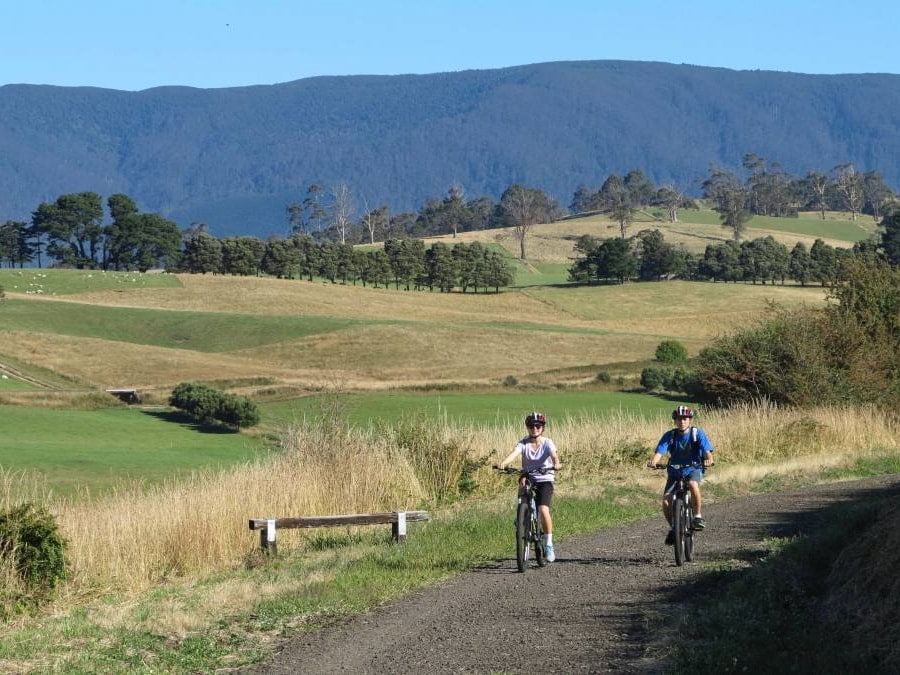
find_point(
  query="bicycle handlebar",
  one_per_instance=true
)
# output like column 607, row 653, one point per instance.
column 512, row 470
column 676, row 467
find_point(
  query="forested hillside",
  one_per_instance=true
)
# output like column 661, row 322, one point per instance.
column 235, row 158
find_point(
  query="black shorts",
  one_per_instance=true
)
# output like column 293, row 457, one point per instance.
column 544, row 492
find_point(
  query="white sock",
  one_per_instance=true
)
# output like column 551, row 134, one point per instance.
column 548, row 539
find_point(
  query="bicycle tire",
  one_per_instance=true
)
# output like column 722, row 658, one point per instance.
column 522, row 534
column 678, row 517
column 538, row 540
column 689, row 531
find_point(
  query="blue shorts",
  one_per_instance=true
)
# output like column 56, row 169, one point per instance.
column 691, row 473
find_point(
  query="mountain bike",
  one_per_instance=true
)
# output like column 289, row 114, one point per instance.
column 682, row 514
column 529, row 529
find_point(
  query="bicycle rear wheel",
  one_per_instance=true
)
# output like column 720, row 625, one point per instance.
column 679, row 516
column 522, row 534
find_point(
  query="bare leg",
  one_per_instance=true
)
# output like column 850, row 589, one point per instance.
column 546, row 520
column 695, row 495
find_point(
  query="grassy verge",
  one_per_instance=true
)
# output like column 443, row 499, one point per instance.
column 787, row 608
column 327, row 577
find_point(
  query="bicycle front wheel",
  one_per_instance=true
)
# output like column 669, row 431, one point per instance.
column 538, row 539
column 688, row 531
column 522, row 534
column 680, row 523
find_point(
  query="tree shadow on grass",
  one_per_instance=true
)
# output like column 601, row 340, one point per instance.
column 188, row 422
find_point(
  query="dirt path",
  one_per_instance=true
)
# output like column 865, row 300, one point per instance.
column 598, row 608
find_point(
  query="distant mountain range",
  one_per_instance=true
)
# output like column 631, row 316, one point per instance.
column 235, row 158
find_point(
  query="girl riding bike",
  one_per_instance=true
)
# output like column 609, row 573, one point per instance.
column 538, row 452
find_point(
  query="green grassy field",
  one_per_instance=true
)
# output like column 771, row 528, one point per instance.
column 198, row 331
column 496, row 409
column 100, row 450
column 66, row 282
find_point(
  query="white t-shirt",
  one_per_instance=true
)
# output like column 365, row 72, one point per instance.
column 537, row 458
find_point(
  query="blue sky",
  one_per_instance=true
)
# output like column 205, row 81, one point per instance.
column 138, row 44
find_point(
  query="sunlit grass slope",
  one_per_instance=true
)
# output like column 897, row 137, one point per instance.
column 323, row 334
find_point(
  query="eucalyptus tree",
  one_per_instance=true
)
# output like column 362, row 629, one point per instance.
column 815, row 187
column 730, row 199
column 877, row 197
column 616, row 199
column 310, row 215
column 524, row 207
column 849, row 185
column 669, row 198
column 376, row 220
column 770, row 188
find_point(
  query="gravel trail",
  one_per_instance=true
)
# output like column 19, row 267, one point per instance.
column 599, row 608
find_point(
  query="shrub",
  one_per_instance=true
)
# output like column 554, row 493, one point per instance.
column 604, row 377
column 671, row 351
column 31, row 541
column 652, row 378
column 510, row 381
column 210, row 405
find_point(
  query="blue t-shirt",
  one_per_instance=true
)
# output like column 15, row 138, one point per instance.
column 681, row 449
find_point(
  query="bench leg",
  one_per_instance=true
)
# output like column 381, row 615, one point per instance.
column 398, row 529
column 267, row 541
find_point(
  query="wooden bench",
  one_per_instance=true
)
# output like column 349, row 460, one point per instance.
column 397, row 520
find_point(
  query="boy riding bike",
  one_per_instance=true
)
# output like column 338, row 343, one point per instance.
column 685, row 444
column 538, row 452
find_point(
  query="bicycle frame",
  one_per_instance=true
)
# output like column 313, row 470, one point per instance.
column 682, row 515
column 529, row 529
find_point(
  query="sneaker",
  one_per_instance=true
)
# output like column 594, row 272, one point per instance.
column 670, row 538
column 698, row 523
column 548, row 553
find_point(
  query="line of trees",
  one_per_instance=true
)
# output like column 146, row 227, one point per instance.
column 648, row 257
column 72, row 231
column 405, row 263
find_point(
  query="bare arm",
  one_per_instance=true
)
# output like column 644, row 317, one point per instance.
column 508, row 459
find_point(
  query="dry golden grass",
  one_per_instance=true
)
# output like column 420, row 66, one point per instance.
column 132, row 541
column 438, row 337
column 554, row 242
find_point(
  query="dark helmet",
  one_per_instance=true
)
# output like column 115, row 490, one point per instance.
column 535, row 417
column 682, row 411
